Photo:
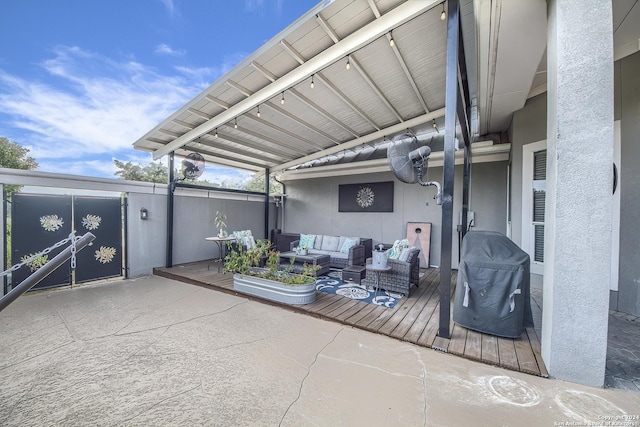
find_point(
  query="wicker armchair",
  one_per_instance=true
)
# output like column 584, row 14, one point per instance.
column 400, row 277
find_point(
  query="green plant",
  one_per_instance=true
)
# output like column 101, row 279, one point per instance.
column 221, row 219
column 242, row 261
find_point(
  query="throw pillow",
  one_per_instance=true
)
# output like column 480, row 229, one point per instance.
column 248, row 242
column 318, row 243
column 307, row 240
column 406, row 253
column 344, row 239
column 348, row 244
column 397, row 248
column 330, row 243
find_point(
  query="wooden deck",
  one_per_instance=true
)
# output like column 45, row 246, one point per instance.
column 413, row 319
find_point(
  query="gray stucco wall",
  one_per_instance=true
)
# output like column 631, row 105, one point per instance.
column 529, row 125
column 628, row 298
column 193, row 221
column 312, row 206
column 146, row 239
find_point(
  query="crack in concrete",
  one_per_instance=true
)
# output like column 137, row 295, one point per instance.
column 64, row 322
column 118, row 334
column 36, row 356
column 424, row 385
column 315, row 360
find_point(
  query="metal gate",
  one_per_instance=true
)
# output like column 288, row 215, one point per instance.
column 39, row 221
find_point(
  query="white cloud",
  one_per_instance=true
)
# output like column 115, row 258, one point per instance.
column 253, row 6
column 93, row 104
column 165, row 49
column 171, row 7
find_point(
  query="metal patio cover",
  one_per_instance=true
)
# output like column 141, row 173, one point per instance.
column 389, row 87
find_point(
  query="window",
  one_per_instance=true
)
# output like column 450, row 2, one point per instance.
column 534, row 177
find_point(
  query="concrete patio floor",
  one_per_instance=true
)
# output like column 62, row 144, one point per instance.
column 153, row 351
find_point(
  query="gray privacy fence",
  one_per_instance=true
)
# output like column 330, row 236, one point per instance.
column 144, row 237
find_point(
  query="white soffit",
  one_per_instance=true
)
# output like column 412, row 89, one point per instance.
column 511, row 39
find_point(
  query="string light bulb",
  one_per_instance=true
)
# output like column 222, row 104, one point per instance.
column 443, row 15
column 282, row 99
column 216, row 134
column 348, row 64
column 391, row 42
column 258, row 111
column 312, row 84
column 235, row 123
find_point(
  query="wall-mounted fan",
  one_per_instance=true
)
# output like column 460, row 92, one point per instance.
column 408, row 161
column 192, row 166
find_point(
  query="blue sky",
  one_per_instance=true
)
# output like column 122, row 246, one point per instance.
column 81, row 80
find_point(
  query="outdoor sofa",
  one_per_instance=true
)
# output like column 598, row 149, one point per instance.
column 343, row 251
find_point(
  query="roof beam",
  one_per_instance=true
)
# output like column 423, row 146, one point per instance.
column 246, row 92
column 219, row 102
column 230, row 161
column 272, row 77
column 397, row 16
column 399, row 127
column 183, row 123
column 334, row 36
column 253, row 145
column 321, row 111
column 303, row 124
column 279, row 129
column 407, row 74
column 374, row 87
column 400, row 59
column 200, row 113
column 333, row 88
column 204, row 140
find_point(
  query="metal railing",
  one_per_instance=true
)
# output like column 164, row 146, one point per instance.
column 77, row 243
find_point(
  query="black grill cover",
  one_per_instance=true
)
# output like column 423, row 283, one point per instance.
column 492, row 292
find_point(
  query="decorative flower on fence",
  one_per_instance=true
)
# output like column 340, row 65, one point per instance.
column 91, row 222
column 51, row 222
column 105, row 254
column 35, row 263
column 365, row 197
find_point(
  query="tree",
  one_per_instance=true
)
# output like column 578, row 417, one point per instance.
column 152, row 172
column 256, row 183
column 14, row 156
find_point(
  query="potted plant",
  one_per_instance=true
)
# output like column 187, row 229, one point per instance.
column 221, row 223
column 269, row 282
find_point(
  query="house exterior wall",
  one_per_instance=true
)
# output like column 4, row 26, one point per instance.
column 312, row 206
column 529, row 125
column 628, row 295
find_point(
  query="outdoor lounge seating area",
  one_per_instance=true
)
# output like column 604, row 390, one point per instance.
column 342, row 250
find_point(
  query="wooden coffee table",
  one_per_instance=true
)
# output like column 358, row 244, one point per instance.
column 301, row 260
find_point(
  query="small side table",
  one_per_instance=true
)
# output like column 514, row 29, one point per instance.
column 354, row 273
column 222, row 245
column 378, row 271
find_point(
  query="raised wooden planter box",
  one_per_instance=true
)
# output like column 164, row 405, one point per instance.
column 274, row 291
